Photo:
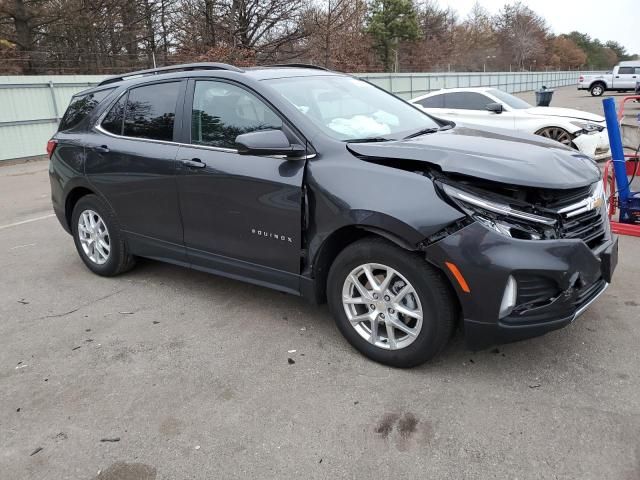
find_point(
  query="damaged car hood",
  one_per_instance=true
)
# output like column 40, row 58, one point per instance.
column 492, row 154
column 565, row 113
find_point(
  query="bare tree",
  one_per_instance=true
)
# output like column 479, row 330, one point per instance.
column 521, row 34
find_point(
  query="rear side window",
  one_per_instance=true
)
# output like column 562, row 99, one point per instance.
column 114, row 120
column 437, row 101
column 80, row 107
column 466, row 101
column 150, row 111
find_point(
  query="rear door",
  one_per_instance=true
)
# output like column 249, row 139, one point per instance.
column 131, row 162
column 242, row 214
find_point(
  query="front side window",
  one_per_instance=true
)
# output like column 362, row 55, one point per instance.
column 466, row 101
column 80, row 107
column 222, row 111
column 150, row 111
column 349, row 109
column 436, row 101
column 626, row 70
column 509, row 100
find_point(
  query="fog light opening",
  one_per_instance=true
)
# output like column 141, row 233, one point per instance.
column 509, row 297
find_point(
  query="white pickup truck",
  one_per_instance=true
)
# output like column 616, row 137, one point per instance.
column 624, row 77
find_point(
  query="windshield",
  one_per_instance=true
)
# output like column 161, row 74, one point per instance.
column 509, row 100
column 350, row 109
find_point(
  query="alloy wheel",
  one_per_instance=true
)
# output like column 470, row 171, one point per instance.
column 557, row 134
column 382, row 306
column 94, row 237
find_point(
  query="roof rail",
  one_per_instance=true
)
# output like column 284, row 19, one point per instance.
column 173, row 68
column 299, row 65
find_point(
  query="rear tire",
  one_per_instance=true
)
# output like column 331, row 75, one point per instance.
column 417, row 340
column 98, row 237
column 597, row 89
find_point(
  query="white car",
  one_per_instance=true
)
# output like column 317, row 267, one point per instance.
column 491, row 107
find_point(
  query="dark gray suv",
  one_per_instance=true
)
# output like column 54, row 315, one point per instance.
column 318, row 184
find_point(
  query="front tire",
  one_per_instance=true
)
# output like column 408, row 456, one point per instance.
column 390, row 304
column 98, row 237
column 597, row 90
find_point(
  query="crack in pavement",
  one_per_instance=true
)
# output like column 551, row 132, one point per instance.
column 63, row 314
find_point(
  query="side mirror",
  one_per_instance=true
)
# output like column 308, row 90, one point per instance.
column 267, row 142
column 495, row 107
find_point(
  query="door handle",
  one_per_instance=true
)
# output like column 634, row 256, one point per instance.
column 101, row 148
column 193, row 163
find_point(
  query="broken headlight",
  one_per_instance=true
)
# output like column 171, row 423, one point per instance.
column 588, row 127
column 502, row 217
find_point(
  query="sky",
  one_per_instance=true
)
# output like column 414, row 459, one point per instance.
column 611, row 20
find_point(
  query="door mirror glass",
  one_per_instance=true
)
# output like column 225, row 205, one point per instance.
column 495, row 107
column 267, row 142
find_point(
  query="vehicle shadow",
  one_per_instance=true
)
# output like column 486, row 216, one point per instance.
column 557, row 349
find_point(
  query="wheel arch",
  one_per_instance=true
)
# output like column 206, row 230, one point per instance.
column 72, row 198
column 337, row 241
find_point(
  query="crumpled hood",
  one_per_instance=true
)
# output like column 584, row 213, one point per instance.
column 493, row 154
column 565, row 112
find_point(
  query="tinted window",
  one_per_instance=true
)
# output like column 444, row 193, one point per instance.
column 113, row 122
column 222, row 111
column 637, row 70
column 80, row 107
column 437, row 101
column 626, row 70
column 466, row 101
column 151, row 111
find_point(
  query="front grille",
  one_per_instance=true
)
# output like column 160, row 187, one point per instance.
column 560, row 307
column 557, row 199
column 589, row 293
column 588, row 226
column 535, row 290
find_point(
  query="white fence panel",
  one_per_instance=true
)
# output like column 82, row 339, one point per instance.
column 31, row 106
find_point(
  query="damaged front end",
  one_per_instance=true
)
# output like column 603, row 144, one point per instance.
column 532, row 260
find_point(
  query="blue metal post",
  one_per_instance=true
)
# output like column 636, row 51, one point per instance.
column 617, row 152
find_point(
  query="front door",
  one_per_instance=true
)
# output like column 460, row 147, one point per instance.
column 625, row 78
column 131, row 161
column 242, row 214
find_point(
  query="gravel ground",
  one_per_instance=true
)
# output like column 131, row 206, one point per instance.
column 167, row 373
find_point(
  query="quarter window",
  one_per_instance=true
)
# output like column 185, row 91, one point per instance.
column 222, row 111
column 151, row 111
column 436, row 101
column 113, row 121
column 466, row 101
column 80, row 107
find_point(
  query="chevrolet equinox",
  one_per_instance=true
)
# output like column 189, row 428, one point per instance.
column 319, row 184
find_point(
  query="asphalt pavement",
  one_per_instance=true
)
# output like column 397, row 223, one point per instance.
column 167, row 373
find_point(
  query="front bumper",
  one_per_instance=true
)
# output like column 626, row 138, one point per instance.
column 572, row 274
column 595, row 145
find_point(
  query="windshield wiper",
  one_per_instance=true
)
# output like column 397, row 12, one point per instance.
column 368, row 140
column 426, row 131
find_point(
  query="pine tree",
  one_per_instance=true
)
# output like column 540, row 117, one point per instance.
column 391, row 21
